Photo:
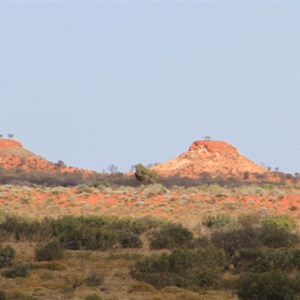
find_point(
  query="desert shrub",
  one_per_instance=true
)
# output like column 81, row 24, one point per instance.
column 272, row 232
column 251, row 190
column 7, row 254
column 145, row 175
column 135, row 225
column 3, row 295
column 184, row 259
column 94, row 279
column 171, row 236
column 87, row 232
column 250, row 223
column 20, row 228
column 93, row 232
column 92, row 297
column 154, row 189
column 270, row 260
column 221, row 221
column 276, row 232
column 266, row 286
column 51, row 251
column 280, row 222
column 21, row 270
column 182, row 268
column 130, row 241
column 20, row 295
column 217, row 189
column 141, row 225
column 205, row 277
column 82, row 188
column 53, row 266
column 296, row 284
column 201, row 242
column 23, row 228
column 233, row 241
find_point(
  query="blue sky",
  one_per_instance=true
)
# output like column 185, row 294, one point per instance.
column 100, row 83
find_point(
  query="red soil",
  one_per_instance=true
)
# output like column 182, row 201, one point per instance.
column 184, row 206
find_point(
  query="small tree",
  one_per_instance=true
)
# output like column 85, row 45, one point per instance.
column 207, row 138
column 145, row 175
column 60, row 164
column 113, row 169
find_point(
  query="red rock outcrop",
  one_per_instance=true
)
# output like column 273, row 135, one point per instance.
column 14, row 156
column 10, row 144
column 213, row 157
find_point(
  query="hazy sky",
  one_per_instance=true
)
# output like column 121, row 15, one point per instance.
column 100, row 83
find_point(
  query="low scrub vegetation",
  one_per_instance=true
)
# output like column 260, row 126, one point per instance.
column 171, row 236
column 254, row 257
column 182, row 268
column 7, row 254
column 267, row 286
column 51, row 251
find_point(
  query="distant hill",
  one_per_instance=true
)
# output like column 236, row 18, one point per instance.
column 205, row 161
column 14, row 156
column 212, row 157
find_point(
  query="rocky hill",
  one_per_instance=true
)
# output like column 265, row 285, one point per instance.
column 14, row 156
column 213, row 157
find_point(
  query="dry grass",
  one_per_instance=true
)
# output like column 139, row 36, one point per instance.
column 53, row 280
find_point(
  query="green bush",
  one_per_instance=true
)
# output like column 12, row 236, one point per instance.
column 51, row 251
column 26, row 229
column 201, row 242
column 270, row 260
column 251, row 224
column 80, row 232
column 171, row 236
column 280, row 222
column 92, row 297
column 266, row 286
column 82, row 188
column 205, row 277
column 145, row 175
column 3, row 295
column 182, row 268
column 276, row 235
column 20, row 295
column 94, row 279
column 22, row 270
column 220, row 222
column 7, row 254
column 86, row 232
column 296, row 284
column 233, row 241
column 131, row 225
column 130, row 241
column 154, row 189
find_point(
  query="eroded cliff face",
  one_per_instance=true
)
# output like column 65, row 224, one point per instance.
column 213, row 157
